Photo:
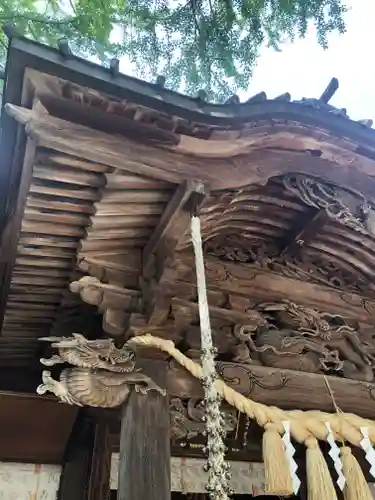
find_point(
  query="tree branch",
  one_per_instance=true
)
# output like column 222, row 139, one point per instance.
column 37, row 19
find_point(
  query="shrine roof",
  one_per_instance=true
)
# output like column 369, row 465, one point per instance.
column 119, row 149
column 23, row 53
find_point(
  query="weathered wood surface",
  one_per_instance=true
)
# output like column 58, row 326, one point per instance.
column 76, row 462
column 263, row 285
column 335, row 164
column 34, row 428
column 8, row 241
column 100, row 470
column 283, row 388
column 144, row 469
column 174, row 220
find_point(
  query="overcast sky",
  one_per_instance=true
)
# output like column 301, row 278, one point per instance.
column 304, row 69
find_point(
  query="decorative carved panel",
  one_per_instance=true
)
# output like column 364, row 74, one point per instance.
column 289, row 336
column 311, row 267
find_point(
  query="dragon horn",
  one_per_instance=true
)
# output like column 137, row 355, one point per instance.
column 50, row 339
column 66, row 343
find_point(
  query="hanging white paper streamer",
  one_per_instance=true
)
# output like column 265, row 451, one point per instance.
column 368, row 449
column 334, row 453
column 290, row 451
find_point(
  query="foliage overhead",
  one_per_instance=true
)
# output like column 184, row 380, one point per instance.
column 208, row 44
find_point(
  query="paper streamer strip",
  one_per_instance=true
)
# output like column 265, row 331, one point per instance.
column 290, row 451
column 334, row 453
column 368, row 449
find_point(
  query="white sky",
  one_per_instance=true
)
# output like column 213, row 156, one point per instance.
column 304, row 69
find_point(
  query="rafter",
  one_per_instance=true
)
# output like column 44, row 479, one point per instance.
column 175, row 220
column 303, row 232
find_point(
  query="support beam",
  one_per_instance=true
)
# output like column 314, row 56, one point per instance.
column 264, row 285
column 270, row 386
column 159, row 253
column 144, row 470
column 303, row 232
column 73, row 139
column 283, row 388
column 175, row 220
column 276, row 157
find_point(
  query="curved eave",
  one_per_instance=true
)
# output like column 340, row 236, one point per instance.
column 24, row 53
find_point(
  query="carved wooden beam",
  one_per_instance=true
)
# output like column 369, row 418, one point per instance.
column 264, row 285
column 260, row 163
column 283, row 388
column 84, row 142
column 114, row 302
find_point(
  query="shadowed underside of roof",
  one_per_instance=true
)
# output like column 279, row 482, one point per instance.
column 107, row 154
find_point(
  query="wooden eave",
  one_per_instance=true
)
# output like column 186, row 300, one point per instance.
column 98, row 198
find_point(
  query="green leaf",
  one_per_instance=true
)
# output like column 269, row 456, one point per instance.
column 209, row 44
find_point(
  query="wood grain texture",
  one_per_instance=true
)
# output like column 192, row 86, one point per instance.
column 286, row 389
column 100, row 464
column 34, row 429
column 8, row 241
column 273, row 151
column 77, row 460
column 261, row 284
column 145, row 446
column 174, row 221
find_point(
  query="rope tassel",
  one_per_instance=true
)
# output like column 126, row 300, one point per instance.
column 356, row 487
column 319, row 481
column 278, row 479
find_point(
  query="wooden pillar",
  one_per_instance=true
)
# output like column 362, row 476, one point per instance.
column 87, row 461
column 99, row 486
column 144, row 465
column 77, row 461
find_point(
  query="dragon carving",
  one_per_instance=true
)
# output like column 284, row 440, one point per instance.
column 101, row 374
column 335, row 200
column 299, row 338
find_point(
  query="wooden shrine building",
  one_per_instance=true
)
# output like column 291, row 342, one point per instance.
column 99, row 176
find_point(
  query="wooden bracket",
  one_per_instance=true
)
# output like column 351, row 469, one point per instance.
column 303, row 232
column 175, row 220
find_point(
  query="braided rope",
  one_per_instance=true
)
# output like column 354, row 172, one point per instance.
column 304, row 425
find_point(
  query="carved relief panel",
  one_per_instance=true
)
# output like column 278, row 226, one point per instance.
column 289, row 336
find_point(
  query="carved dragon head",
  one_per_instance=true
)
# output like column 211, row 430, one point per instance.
column 100, row 353
column 308, row 321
